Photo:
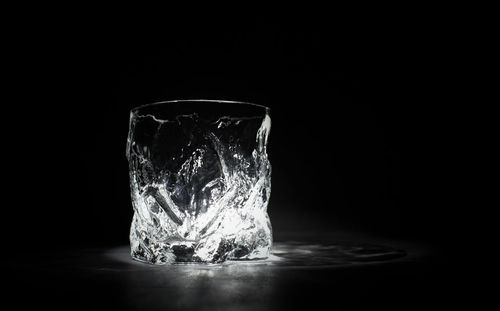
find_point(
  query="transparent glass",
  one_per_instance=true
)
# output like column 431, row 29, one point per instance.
column 200, row 181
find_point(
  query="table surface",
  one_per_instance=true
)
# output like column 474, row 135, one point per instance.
column 306, row 270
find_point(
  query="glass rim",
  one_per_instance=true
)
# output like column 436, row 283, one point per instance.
column 221, row 101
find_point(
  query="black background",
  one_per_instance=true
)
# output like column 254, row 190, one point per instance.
column 352, row 142
column 356, row 143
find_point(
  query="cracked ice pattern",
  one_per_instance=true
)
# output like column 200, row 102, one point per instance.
column 200, row 188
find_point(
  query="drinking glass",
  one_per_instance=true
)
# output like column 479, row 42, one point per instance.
column 200, row 181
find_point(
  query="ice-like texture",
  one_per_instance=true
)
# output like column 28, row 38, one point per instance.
column 200, row 188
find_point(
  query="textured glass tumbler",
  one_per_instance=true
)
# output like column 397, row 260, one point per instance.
column 200, row 181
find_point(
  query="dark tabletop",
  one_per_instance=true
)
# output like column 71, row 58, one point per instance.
column 306, row 271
